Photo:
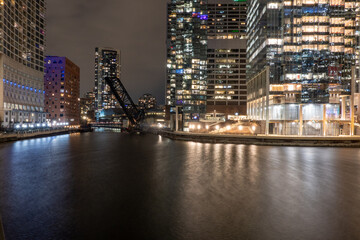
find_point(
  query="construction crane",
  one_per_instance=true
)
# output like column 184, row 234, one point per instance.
column 132, row 112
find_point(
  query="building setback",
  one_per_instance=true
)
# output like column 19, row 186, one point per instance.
column 226, row 72
column 107, row 64
column 300, row 56
column 186, row 59
column 22, row 48
column 62, row 90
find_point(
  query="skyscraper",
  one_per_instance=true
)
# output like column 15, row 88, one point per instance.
column 62, row 90
column 300, row 57
column 107, row 64
column 226, row 57
column 22, row 45
column 187, row 53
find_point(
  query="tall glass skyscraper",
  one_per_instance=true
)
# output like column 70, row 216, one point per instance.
column 22, row 46
column 300, row 55
column 187, row 54
column 107, row 64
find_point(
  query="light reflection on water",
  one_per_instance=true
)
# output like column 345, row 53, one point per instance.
column 102, row 185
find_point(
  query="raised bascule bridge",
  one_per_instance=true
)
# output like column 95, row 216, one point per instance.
column 132, row 112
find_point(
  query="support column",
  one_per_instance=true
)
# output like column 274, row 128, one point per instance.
column 267, row 129
column 352, row 101
column 301, row 120
column 343, row 108
column 263, row 106
column 177, row 119
column 324, row 123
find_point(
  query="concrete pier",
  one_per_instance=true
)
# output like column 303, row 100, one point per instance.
column 266, row 140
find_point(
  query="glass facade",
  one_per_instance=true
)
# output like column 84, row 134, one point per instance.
column 187, row 54
column 22, row 46
column 107, row 64
column 307, row 49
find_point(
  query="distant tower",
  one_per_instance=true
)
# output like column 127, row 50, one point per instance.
column 147, row 101
column 107, row 64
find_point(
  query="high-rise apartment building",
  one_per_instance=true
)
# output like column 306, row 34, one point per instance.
column 22, row 45
column 226, row 72
column 147, row 101
column 186, row 59
column 87, row 111
column 107, row 64
column 62, row 90
column 300, row 58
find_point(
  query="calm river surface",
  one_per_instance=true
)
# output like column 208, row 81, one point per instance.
column 107, row 185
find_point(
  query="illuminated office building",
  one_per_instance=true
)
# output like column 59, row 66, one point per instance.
column 300, row 56
column 87, row 112
column 186, row 60
column 226, row 73
column 147, row 101
column 62, row 90
column 22, row 45
column 107, row 64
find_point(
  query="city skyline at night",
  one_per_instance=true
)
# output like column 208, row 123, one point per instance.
column 179, row 119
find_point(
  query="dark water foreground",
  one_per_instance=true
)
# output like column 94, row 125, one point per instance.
column 118, row 186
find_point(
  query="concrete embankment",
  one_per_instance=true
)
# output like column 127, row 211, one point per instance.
column 2, row 234
column 35, row 134
column 266, row 140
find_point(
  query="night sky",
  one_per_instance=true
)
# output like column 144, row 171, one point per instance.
column 136, row 27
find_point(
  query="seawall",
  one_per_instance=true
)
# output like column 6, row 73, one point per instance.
column 266, row 140
column 20, row 136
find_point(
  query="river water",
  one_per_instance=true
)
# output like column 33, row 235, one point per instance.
column 106, row 185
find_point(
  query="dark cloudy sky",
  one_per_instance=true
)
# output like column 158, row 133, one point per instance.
column 136, row 27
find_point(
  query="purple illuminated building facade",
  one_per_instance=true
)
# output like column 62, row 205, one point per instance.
column 62, row 90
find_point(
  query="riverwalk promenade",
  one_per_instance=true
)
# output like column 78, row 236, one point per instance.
column 9, row 137
column 270, row 140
